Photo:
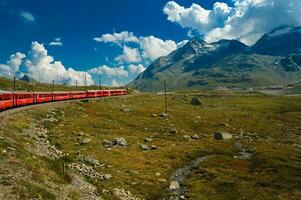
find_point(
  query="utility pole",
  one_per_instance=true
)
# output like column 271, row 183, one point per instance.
column 52, row 90
column 75, row 85
column 99, row 81
column 86, row 81
column 14, row 91
column 14, row 83
column 165, row 95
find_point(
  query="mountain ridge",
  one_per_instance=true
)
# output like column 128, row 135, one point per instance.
column 274, row 59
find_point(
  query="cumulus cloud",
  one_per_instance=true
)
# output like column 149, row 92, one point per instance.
column 56, row 42
column 12, row 66
column 44, row 68
column 136, row 69
column 129, row 55
column 153, row 48
column 117, row 38
column 115, row 83
column 110, row 71
column 27, row 16
column 246, row 21
column 149, row 47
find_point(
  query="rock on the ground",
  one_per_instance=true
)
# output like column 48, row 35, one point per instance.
column 144, row 147
column 148, row 139
column 173, row 131
column 186, row 137
column 174, row 185
column 119, row 141
column 222, row 135
column 154, row 147
column 86, row 141
column 154, row 115
column 196, row 101
column 164, row 115
column 107, row 143
column 107, row 176
column 122, row 194
column 195, row 137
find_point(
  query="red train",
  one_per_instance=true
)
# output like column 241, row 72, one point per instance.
column 17, row 99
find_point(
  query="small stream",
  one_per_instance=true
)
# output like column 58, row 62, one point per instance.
column 180, row 176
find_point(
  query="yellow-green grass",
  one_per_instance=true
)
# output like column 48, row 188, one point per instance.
column 272, row 124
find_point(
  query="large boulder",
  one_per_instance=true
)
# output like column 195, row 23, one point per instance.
column 196, row 101
column 222, row 135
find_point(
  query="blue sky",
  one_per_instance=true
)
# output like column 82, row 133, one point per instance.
column 72, row 25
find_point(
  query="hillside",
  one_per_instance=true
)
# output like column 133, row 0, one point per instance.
column 274, row 60
column 79, row 150
column 7, row 85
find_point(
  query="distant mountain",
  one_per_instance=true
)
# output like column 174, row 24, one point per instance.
column 274, row 60
column 27, row 78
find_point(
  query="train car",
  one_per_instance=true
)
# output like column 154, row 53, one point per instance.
column 23, row 98
column 60, row 96
column 92, row 93
column 106, row 93
column 41, row 97
column 6, row 100
column 78, row 94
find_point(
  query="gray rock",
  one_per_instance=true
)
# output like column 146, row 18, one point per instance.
column 186, row 137
column 119, row 142
column 174, row 185
column 154, row 147
column 107, row 176
column 195, row 137
column 107, row 143
column 196, row 101
column 163, row 115
column 222, row 136
column 173, row 131
column 153, row 115
column 86, row 141
column 148, row 139
column 144, row 147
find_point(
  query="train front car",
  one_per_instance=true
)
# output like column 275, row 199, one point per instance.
column 6, row 100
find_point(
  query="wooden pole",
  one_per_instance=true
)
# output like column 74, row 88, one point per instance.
column 165, row 95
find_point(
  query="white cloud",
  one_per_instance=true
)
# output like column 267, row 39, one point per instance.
column 115, row 83
column 136, row 69
column 129, row 55
column 196, row 16
column 27, row 16
column 56, row 42
column 12, row 66
column 153, row 48
column 110, row 71
column 247, row 21
column 117, row 38
column 182, row 43
column 149, row 47
column 43, row 68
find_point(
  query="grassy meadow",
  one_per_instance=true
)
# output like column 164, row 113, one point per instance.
column 267, row 127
